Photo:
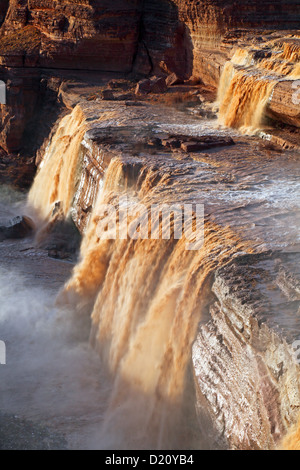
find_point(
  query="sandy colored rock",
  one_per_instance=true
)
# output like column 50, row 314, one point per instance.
column 285, row 103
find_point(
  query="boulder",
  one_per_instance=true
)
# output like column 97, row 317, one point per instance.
column 59, row 236
column 152, row 85
column 107, row 95
column 193, row 146
column 171, row 143
column 143, row 87
column 158, row 85
column 17, row 228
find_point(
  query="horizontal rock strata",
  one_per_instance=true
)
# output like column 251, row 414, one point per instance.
column 244, row 367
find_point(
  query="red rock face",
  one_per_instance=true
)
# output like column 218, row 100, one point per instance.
column 192, row 37
column 285, row 103
column 187, row 37
column 173, row 35
column 22, row 98
column 95, row 34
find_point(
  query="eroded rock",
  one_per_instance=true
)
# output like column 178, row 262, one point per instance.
column 245, row 367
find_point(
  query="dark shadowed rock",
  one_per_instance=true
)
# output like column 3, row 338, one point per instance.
column 59, row 237
column 107, row 95
column 193, row 146
column 158, row 85
column 196, row 144
column 143, row 87
column 3, row 10
column 171, row 143
column 152, row 85
column 19, row 227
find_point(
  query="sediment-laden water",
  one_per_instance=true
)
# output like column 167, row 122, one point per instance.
column 100, row 352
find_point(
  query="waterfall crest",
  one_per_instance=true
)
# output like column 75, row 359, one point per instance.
column 248, row 81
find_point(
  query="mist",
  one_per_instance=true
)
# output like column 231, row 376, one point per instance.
column 52, row 377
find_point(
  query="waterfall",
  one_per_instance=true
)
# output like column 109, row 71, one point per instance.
column 56, row 177
column 243, row 94
column 245, row 102
column 146, row 298
column 248, row 80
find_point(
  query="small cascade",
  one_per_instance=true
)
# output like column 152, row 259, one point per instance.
column 248, row 81
column 57, row 175
column 245, row 102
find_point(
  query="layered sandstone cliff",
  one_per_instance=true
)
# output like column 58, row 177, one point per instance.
column 246, row 376
column 192, row 39
column 243, row 365
column 100, row 35
column 71, row 35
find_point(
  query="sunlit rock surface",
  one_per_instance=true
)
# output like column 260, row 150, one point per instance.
column 78, row 35
column 189, row 38
column 243, row 364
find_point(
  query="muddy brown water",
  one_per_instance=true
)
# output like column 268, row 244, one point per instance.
column 54, row 380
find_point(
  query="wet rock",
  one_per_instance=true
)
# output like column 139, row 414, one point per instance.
column 199, row 144
column 158, row 85
column 245, row 366
column 285, row 102
column 193, row 146
column 120, row 84
column 143, row 87
column 19, row 227
column 59, row 237
column 171, row 143
column 59, row 254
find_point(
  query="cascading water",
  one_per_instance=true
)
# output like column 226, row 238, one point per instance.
column 245, row 89
column 149, row 298
column 145, row 298
column 57, row 174
column 248, row 81
column 245, row 101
